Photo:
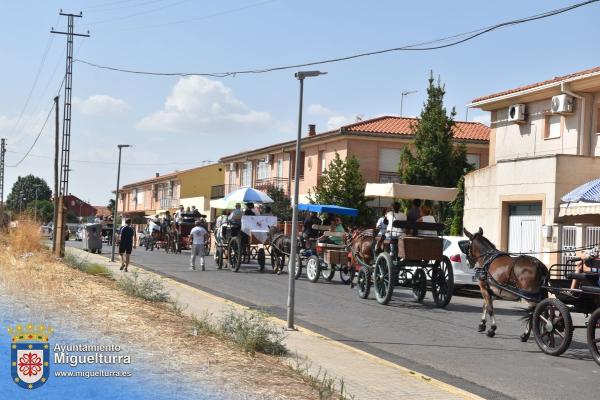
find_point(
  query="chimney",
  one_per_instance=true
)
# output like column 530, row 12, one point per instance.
column 157, row 175
column 312, row 130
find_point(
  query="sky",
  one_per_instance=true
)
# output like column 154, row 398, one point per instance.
column 175, row 123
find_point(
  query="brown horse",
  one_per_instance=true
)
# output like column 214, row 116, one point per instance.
column 506, row 277
column 361, row 243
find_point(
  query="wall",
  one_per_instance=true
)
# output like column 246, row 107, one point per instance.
column 311, row 157
column 197, row 182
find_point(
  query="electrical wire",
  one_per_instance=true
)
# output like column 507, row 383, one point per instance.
column 464, row 37
column 109, row 20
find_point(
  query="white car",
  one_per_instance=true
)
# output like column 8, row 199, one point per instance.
column 463, row 273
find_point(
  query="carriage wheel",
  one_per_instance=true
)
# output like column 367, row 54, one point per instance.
column 219, row 257
column 328, row 272
column 593, row 335
column 384, row 278
column 313, row 268
column 298, row 269
column 235, row 254
column 552, row 326
column 442, row 282
column 364, row 282
column 345, row 274
column 419, row 285
column 260, row 257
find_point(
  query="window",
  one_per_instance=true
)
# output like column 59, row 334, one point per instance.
column 553, row 126
column 388, row 165
column 323, row 161
column 247, row 174
column 474, row 160
column 263, row 170
column 280, row 168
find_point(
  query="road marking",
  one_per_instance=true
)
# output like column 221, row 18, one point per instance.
column 405, row 371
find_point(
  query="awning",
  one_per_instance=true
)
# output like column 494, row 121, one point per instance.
column 578, row 208
column 589, row 192
column 405, row 191
column 328, row 208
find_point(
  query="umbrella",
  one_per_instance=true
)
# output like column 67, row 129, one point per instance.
column 222, row 204
column 246, row 195
column 588, row 193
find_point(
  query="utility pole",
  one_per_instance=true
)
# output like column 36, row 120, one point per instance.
column 66, row 136
column 2, row 151
column 56, row 151
column 114, row 229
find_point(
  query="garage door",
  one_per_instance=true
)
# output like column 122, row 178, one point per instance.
column 525, row 228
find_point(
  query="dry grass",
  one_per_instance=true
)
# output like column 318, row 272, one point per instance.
column 26, row 237
column 96, row 303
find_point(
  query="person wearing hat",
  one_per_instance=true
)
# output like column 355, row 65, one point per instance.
column 249, row 209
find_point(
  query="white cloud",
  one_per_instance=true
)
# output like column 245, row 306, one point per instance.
column 201, row 105
column 483, row 118
column 100, row 104
column 334, row 119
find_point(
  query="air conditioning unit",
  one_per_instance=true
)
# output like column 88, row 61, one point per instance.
column 516, row 113
column 562, row 104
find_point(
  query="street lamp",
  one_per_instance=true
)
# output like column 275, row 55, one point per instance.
column 114, row 230
column 405, row 93
column 300, row 75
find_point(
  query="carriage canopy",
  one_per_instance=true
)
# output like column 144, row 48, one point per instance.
column 328, row 208
column 405, row 191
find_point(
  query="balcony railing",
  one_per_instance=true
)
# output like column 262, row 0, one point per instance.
column 264, row 184
column 168, row 202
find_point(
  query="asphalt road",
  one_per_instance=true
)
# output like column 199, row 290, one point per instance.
column 443, row 343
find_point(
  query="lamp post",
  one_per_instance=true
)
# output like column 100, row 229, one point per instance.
column 114, row 229
column 300, row 75
column 405, row 93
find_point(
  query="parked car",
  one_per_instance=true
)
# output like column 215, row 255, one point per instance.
column 463, row 273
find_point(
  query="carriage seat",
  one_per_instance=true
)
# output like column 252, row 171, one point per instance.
column 592, row 289
column 583, row 276
column 410, row 226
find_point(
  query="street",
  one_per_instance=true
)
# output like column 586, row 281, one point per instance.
column 442, row 343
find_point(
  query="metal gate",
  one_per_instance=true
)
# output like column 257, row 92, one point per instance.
column 569, row 240
column 592, row 236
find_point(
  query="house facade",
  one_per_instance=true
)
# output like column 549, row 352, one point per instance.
column 543, row 143
column 168, row 192
column 78, row 207
column 376, row 143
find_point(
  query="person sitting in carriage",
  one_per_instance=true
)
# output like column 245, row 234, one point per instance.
column 308, row 232
column 381, row 228
column 336, row 226
column 394, row 232
column 235, row 217
column 590, row 262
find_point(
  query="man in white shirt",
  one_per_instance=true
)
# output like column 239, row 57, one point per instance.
column 394, row 215
column 198, row 237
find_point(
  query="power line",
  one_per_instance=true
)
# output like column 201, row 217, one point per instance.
column 120, row 5
column 464, row 37
column 36, row 138
column 108, row 20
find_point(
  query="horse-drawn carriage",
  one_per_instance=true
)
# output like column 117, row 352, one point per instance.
column 552, row 324
column 235, row 241
column 412, row 258
column 180, row 233
column 325, row 258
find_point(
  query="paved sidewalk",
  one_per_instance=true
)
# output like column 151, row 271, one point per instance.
column 365, row 376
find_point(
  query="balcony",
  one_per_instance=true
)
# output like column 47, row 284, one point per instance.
column 220, row 191
column 265, row 184
column 168, row 203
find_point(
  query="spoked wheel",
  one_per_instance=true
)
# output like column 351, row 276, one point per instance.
column 253, row 253
column 552, row 326
column 235, row 254
column 345, row 274
column 298, row 269
column 260, row 257
column 313, row 268
column 419, row 285
column 364, row 282
column 593, row 335
column 328, row 272
column 442, row 282
column 384, row 278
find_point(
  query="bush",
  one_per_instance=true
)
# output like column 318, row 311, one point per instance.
column 85, row 266
column 151, row 289
column 252, row 332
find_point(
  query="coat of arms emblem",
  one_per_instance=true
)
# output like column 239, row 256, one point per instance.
column 30, row 355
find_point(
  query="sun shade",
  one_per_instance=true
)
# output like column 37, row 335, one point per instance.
column 327, row 208
column 404, row 191
column 587, row 193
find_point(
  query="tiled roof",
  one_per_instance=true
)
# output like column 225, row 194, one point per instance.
column 556, row 79
column 402, row 126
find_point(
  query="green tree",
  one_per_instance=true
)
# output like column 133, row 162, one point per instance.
column 342, row 184
column 281, row 205
column 435, row 159
column 111, row 206
column 25, row 190
column 43, row 210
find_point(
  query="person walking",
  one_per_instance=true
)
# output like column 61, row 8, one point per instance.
column 198, row 236
column 127, row 241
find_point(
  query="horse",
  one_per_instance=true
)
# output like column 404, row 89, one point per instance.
column 506, row 277
column 281, row 246
column 361, row 243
